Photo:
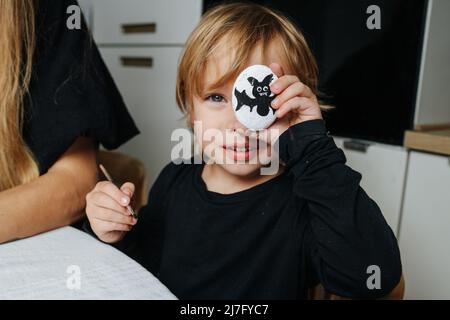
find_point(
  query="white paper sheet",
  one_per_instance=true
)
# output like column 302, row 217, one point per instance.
column 69, row 264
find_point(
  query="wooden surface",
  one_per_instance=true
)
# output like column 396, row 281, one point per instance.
column 437, row 141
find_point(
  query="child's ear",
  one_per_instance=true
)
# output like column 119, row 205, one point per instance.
column 251, row 80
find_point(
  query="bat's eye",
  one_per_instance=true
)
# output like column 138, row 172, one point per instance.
column 266, row 88
column 259, row 89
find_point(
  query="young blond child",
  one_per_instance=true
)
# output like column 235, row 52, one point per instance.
column 222, row 230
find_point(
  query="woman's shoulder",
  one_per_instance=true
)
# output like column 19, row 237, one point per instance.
column 71, row 92
column 52, row 16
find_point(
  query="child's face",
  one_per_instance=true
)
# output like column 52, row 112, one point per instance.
column 214, row 110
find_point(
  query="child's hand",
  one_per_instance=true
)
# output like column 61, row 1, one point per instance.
column 106, row 208
column 295, row 102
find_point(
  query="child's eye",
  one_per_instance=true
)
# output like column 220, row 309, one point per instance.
column 216, row 98
column 266, row 88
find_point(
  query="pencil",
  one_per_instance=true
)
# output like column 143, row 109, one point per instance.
column 129, row 208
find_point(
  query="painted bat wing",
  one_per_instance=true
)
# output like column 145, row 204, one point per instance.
column 244, row 100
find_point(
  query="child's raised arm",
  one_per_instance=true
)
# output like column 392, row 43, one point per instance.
column 348, row 236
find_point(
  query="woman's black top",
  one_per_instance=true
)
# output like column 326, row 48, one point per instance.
column 71, row 93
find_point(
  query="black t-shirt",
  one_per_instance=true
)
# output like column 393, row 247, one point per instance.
column 312, row 224
column 71, row 93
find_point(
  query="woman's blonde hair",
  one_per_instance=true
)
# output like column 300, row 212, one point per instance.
column 17, row 39
column 245, row 26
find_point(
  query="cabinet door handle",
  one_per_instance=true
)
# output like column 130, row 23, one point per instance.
column 356, row 145
column 139, row 28
column 140, row 62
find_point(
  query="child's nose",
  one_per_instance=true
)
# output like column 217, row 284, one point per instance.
column 230, row 120
column 233, row 122
column 239, row 127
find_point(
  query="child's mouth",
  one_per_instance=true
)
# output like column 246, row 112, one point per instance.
column 241, row 152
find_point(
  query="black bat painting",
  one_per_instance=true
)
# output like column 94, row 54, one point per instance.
column 261, row 92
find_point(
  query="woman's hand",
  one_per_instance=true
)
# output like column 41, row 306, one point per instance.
column 295, row 102
column 106, row 208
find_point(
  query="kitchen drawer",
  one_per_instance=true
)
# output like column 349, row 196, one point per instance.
column 144, row 21
column 149, row 92
column 425, row 227
column 383, row 173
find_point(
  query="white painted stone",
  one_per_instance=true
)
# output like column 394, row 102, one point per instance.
column 253, row 108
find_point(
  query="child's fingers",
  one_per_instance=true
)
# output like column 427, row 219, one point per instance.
column 286, row 81
column 294, row 104
column 104, row 226
column 277, row 69
column 128, row 188
column 108, row 215
column 103, row 200
column 114, row 192
column 294, row 90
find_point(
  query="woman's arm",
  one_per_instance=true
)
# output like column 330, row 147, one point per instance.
column 55, row 199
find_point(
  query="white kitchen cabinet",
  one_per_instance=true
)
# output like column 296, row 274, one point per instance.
column 383, row 169
column 148, row 89
column 141, row 42
column 425, row 227
column 145, row 21
column 86, row 8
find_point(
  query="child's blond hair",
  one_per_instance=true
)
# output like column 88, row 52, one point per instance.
column 245, row 26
